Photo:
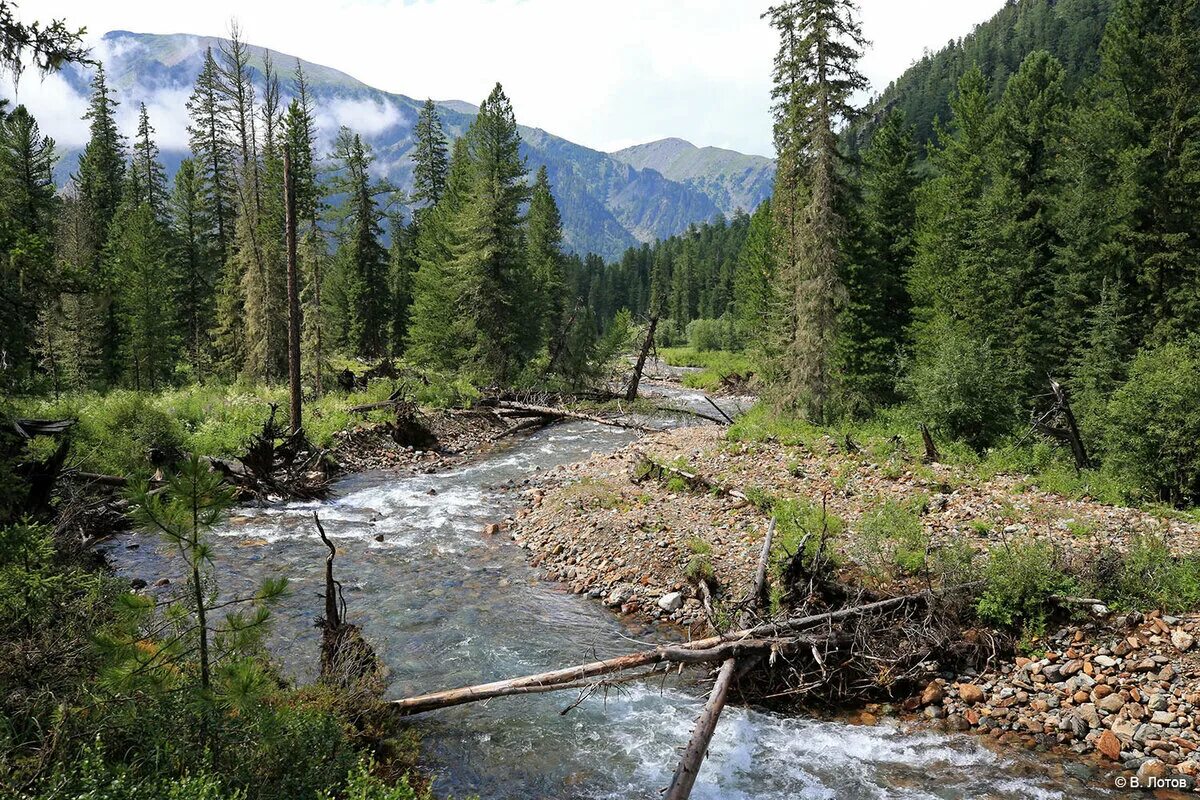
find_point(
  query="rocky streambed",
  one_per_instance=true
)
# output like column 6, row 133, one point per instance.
column 446, row 603
column 1120, row 694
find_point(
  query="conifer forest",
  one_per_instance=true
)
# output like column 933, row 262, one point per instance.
column 301, row 428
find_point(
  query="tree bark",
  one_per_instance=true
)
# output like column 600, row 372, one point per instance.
column 293, row 290
column 632, row 394
column 714, row 648
column 697, row 748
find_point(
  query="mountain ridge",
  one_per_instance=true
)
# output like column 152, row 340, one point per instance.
column 607, row 204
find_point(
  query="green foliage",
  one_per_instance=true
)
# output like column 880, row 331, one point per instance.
column 891, row 540
column 716, row 366
column 1153, row 424
column 962, row 388
column 1018, row 579
column 1150, row 577
column 362, row 785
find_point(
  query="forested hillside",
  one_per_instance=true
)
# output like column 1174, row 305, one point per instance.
column 1070, row 30
column 1052, row 233
column 607, row 204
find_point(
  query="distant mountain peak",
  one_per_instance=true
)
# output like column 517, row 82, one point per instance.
column 734, row 180
column 607, row 204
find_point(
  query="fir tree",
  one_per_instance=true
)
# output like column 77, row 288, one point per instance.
column 544, row 242
column 815, row 77
column 876, row 315
column 430, row 165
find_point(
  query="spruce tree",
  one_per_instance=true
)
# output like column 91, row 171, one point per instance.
column 301, row 134
column 873, row 323
column 101, row 173
column 1141, row 146
column 544, row 245
column 440, row 328
column 490, row 256
column 208, row 137
column 361, row 261
column 1021, row 236
column 152, row 178
column 197, row 272
column 138, row 258
column 27, row 210
column 430, row 165
column 815, row 78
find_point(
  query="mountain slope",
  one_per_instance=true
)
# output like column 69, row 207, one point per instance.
column 607, row 204
column 732, row 180
column 1069, row 29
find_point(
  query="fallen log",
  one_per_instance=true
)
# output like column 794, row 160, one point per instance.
column 562, row 413
column 715, row 648
column 691, row 413
column 697, row 747
column 761, row 592
column 649, row 468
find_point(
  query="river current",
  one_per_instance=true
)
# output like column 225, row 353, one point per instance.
column 445, row 606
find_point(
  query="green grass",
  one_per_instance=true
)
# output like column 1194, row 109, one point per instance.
column 116, row 430
column 715, row 365
column 892, row 439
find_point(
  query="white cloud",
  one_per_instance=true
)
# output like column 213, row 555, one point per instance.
column 54, row 104
column 366, row 117
column 597, row 73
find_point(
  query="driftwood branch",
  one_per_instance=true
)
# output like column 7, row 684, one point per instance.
column 562, row 413
column 761, row 591
column 689, row 766
column 713, row 649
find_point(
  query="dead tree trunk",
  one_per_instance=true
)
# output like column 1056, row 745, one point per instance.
column 761, row 592
column 293, row 290
column 931, row 452
column 333, row 590
column 1082, row 461
column 1067, row 431
column 632, row 394
column 697, row 748
column 781, row 635
column 550, row 411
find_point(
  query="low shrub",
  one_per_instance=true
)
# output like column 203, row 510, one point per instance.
column 1152, row 437
column 891, row 540
column 1018, row 580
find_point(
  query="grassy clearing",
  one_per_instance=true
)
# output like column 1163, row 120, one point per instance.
column 116, row 430
column 715, row 365
column 893, row 440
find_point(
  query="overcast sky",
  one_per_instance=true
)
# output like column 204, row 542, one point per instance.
column 603, row 74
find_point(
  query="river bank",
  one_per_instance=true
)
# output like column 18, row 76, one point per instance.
column 1116, row 691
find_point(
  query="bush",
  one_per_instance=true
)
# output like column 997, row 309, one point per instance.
column 890, row 539
column 1152, row 437
column 118, row 431
column 1018, row 581
column 1150, row 577
column 704, row 335
column 963, row 389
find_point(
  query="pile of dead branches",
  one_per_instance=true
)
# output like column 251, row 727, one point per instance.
column 278, row 464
